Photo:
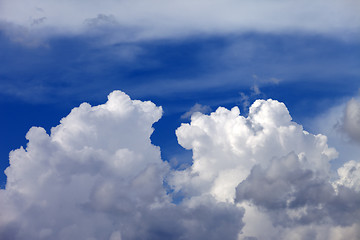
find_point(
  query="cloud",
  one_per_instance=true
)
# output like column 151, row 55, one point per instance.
column 99, row 161
column 197, row 108
column 351, row 121
column 282, row 183
column 97, row 176
column 349, row 175
column 269, row 165
column 160, row 19
column 255, row 92
column 294, row 194
column 331, row 124
column 226, row 146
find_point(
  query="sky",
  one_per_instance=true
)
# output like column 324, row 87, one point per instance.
column 180, row 119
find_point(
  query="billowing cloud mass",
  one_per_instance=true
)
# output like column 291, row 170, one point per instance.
column 273, row 168
column 138, row 20
column 226, row 146
column 98, row 176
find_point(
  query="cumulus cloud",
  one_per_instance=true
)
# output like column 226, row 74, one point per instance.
column 349, row 175
column 163, row 19
column 227, row 145
column 278, row 172
column 97, row 176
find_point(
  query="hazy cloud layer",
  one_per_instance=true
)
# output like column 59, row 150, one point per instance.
column 98, row 176
column 157, row 19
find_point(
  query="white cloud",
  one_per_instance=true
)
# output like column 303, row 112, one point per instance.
column 97, row 176
column 135, row 20
column 277, row 171
column 97, row 165
column 349, row 175
column 226, row 146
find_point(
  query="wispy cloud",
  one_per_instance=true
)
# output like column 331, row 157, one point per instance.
column 197, row 108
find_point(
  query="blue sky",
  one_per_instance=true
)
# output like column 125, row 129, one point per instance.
column 55, row 56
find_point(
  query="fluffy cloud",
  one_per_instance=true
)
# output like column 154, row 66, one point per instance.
column 226, row 146
column 273, row 168
column 97, row 176
column 138, row 20
column 98, row 161
column 349, row 175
